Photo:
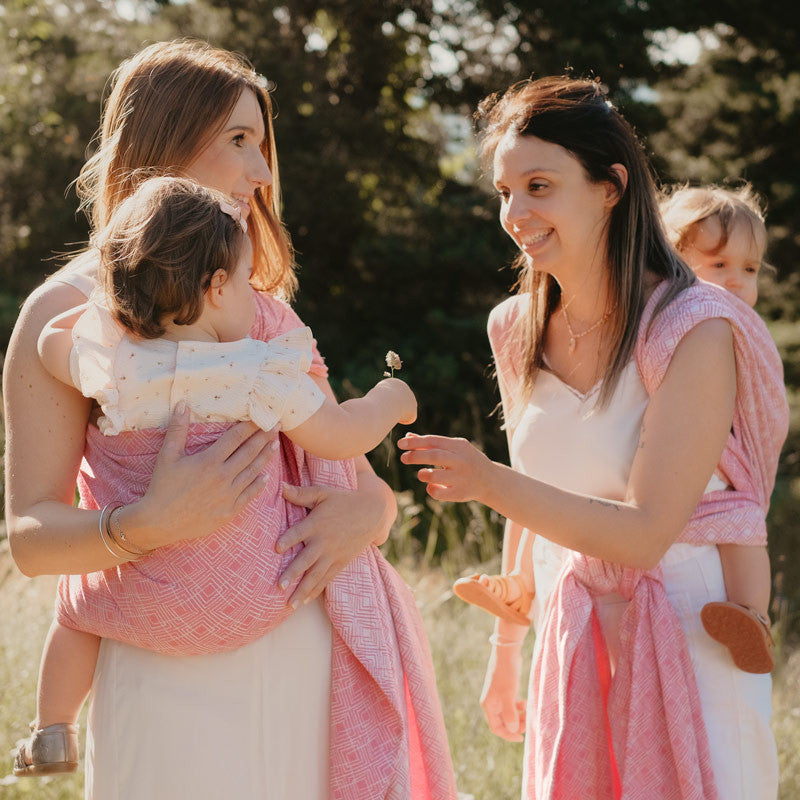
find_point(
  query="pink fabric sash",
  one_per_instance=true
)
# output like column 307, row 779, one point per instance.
column 640, row 733
column 761, row 415
column 218, row 593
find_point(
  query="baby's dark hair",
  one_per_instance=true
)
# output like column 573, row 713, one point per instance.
column 160, row 249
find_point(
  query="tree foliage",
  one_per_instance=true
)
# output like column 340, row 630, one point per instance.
column 394, row 226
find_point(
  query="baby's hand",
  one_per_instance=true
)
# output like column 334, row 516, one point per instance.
column 407, row 400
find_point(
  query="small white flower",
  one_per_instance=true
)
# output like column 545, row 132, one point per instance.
column 393, row 361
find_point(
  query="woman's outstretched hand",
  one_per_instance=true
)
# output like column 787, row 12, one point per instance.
column 459, row 470
column 504, row 711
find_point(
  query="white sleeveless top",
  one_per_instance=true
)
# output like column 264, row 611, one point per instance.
column 563, row 439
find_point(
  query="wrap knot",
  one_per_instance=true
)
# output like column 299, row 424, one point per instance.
column 602, row 577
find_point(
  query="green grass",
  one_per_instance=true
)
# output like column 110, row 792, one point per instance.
column 27, row 607
column 486, row 766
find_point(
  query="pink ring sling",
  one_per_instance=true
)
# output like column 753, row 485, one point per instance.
column 220, row 592
column 640, row 734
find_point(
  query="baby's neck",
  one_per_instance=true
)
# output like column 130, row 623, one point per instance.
column 197, row 331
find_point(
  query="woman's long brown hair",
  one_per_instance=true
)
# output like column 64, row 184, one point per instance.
column 165, row 105
column 576, row 115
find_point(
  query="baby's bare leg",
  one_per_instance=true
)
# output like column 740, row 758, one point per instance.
column 524, row 560
column 65, row 674
column 747, row 575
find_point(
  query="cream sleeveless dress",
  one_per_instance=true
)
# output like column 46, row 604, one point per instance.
column 251, row 724
column 563, row 440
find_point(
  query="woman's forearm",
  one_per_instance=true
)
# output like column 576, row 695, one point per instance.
column 683, row 433
column 52, row 538
column 613, row 531
column 512, row 537
column 45, row 433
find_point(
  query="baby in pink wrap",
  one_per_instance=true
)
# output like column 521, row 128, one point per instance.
column 721, row 235
column 172, row 327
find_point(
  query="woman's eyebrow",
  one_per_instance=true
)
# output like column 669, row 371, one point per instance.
column 539, row 169
column 245, row 128
column 529, row 172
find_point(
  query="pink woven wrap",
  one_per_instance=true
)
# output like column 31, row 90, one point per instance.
column 640, row 733
column 219, row 593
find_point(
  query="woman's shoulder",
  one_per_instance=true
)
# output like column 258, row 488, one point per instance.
column 505, row 314
column 273, row 316
column 81, row 272
column 697, row 303
column 47, row 301
column 663, row 328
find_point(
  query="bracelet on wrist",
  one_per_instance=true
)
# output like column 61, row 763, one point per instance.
column 119, row 537
column 105, row 536
column 501, row 641
column 114, row 542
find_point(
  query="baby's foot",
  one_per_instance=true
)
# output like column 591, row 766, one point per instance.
column 48, row 751
column 744, row 632
column 508, row 597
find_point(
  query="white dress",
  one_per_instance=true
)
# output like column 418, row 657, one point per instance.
column 562, row 439
column 250, row 724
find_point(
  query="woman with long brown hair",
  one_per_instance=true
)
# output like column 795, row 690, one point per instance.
column 645, row 413
column 339, row 697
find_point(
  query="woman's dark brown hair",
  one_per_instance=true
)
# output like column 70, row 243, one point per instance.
column 576, row 115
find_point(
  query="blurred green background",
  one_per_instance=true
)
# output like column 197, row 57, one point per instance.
column 395, row 228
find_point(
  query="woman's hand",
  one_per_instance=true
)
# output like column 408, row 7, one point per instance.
column 340, row 525
column 461, row 470
column 198, row 493
column 504, row 711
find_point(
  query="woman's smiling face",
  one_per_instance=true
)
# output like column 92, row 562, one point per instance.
column 549, row 207
column 233, row 162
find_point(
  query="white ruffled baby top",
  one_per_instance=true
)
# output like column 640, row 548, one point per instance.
column 137, row 382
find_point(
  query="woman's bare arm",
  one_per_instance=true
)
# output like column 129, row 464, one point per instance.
column 684, row 431
column 188, row 497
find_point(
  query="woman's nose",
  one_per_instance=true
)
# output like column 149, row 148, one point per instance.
column 516, row 209
column 259, row 172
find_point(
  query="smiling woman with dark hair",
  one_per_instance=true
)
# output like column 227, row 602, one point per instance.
column 645, row 414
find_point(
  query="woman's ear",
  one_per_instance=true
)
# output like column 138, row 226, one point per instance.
column 615, row 189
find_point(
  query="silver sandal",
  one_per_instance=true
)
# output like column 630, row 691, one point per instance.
column 52, row 749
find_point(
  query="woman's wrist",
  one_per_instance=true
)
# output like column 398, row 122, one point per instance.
column 140, row 527
column 491, row 483
column 506, row 633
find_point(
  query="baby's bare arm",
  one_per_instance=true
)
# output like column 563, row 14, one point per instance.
column 55, row 344
column 355, row 427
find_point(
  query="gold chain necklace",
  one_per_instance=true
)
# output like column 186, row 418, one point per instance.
column 573, row 337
